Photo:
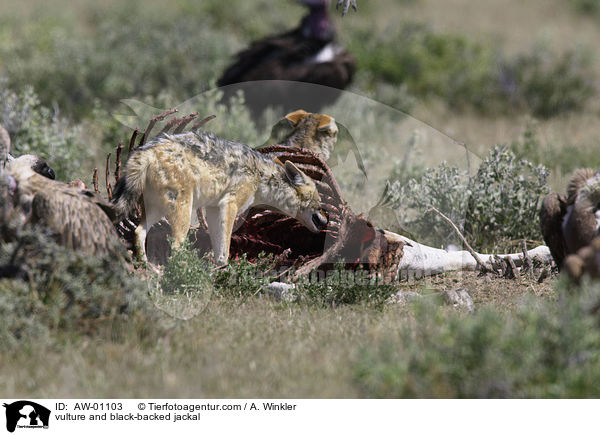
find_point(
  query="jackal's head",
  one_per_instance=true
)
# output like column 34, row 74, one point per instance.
column 312, row 131
column 300, row 199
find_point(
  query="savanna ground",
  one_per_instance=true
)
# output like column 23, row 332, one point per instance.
column 517, row 82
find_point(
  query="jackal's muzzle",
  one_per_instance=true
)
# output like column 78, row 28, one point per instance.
column 319, row 220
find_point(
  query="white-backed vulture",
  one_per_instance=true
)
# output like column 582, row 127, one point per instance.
column 571, row 223
column 586, row 262
column 77, row 218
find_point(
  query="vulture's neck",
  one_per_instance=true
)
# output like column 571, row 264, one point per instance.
column 317, row 25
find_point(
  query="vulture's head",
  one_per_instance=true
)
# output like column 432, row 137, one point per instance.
column 24, row 164
column 591, row 193
column 316, row 24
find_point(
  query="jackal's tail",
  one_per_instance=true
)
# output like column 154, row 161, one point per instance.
column 130, row 186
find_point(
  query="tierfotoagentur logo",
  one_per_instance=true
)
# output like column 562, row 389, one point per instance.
column 25, row 414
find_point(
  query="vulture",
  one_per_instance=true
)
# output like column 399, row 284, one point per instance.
column 308, row 53
column 77, row 218
column 571, row 223
column 586, row 262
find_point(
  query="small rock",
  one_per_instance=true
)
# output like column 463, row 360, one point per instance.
column 402, row 297
column 280, row 291
column 458, row 298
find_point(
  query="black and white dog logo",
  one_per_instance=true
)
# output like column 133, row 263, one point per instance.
column 26, row 414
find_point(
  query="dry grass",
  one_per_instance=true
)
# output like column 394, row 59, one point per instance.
column 258, row 348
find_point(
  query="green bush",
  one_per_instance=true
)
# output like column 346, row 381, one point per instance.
column 132, row 50
column 545, row 84
column 586, row 6
column 242, row 279
column 546, row 349
column 343, row 287
column 496, row 205
column 128, row 52
column 445, row 188
column 185, row 272
column 448, row 66
column 468, row 73
column 564, row 157
column 504, row 200
column 61, row 290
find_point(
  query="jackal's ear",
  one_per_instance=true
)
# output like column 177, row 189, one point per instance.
column 296, row 116
column 294, row 175
column 327, row 123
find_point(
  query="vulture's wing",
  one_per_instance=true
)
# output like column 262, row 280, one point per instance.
column 76, row 220
column 345, row 145
column 336, row 72
column 551, row 216
column 259, row 53
column 273, row 58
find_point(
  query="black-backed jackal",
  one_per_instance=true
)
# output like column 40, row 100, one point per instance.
column 177, row 174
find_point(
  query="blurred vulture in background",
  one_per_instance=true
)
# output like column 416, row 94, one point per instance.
column 308, row 53
column 77, row 218
column 571, row 223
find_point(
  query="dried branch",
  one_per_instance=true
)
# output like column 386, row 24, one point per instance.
column 107, row 178
column 183, row 122
column 95, row 180
column 169, row 125
column 484, row 267
column 119, row 151
column 132, row 141
column 199, row 124
column 153, row 122
column 527, row 262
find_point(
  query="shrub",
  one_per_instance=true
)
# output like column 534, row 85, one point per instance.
column 546, row 349
column 448, row 66
column 505, row 196
column 185, row 272
column 545, row 84
column 343, row 287
column 565, row 158
column 242, row 279
column 63, row 290
column 445, row 188
column 586, row 6
column 467, row 73
column 132, row 52
column 498, row 204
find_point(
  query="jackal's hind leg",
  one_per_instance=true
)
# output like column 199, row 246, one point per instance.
column 140, row 238
column 150, row 215
column 220, row 225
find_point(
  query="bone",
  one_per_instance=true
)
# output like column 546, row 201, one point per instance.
column 421, row 260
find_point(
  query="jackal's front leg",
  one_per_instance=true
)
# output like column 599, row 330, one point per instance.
column 179, row 216
column 220, row 225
